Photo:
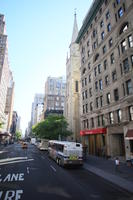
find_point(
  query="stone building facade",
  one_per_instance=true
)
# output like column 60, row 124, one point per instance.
column 106, row 49
column 72, row 98
column 6, row 89
column 55, row 88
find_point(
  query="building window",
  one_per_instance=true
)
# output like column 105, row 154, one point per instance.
column 84, row 124
column 97, row 102
column 130, row 109
column 76, row 86
column 102, row 35
column 124, row 28
column 91, row 106
column 130, row 41
column 111, row 118
column 123, row 87
column 86, row 94
column 86, row 106
column 123, row 46
column 120, row 12
column 83, row 109
column 102, row 119
column 129, row 87
column 116, row 94
column 110, row 42
column 90, row 78
column 95, row 71
column 85, row 81
column 119, row 115
column 114, row 75
column 105, row 64
column 104, row 49
column 101, row 24
column 88, row 53
column 100, row 11
column 95, row 45
column 132, row 59
column 112, row 58
column 100, row 84
column 96, row 86
column 83, row 96
column 109, row 27
column 98, row 120
column 107, row 15
column 92, row 122
column 99, row 68
column 126, row 65
column 94, row 33
column 87, row 123
column 88, row 43
column 96, row 57
column 89, row 65
column 106, row 80
column 117, row 1
column 108, row 98
column 90, row 92
column 83, row 60
column 101, row 101
column 121, row 69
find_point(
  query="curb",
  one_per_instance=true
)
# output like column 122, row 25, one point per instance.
column 127, row 185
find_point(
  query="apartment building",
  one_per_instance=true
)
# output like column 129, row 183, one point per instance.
column 106, row 49
column 72, row 97
column 55, row 88
column 6, row 90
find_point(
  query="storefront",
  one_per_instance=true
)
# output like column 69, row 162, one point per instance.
column 95, row 140
column 129, row 144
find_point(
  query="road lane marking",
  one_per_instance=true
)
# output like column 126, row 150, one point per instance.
column 11, row 159
column 17, row 161
column 28, row 170
column 53, row 168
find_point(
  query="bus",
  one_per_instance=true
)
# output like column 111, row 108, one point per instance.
column 66, row 153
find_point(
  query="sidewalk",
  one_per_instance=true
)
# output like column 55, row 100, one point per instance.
column 106, row 169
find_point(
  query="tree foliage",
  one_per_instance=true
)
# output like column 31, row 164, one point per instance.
column 18, row 135
column 52, row 128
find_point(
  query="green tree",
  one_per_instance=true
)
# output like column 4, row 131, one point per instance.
column 54, row 127
column 18, row 135
column 1, row 124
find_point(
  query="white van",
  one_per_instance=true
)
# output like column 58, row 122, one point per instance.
column 66, row 153
column 43, row 145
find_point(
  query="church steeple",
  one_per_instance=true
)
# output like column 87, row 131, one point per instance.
column 75, row 29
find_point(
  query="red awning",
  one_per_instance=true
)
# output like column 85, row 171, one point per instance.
column 93, row 131
column 129, row 135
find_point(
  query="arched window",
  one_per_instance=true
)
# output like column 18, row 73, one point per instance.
column 124, row 28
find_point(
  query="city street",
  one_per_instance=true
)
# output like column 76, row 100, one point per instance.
column 30, row 174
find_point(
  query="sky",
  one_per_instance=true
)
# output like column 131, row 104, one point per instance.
column 39, row 34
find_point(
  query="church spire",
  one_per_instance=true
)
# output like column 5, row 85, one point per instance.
column 75, row 29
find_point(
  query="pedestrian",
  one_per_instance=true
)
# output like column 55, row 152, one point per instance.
column 117, row 163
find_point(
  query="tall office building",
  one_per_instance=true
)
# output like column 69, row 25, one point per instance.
column 5, row 113
column 106, row 49
column 37, row 109
column 55, row 88
column 72, row 97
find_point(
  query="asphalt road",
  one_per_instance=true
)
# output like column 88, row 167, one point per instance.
column 29, row 174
